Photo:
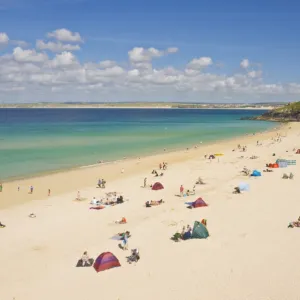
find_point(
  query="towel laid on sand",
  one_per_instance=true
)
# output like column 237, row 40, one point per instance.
column 97, row 207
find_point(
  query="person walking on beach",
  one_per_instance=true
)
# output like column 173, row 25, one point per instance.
column 78, row 195
column 181, row 190
column 99, row 182
column 49, row 192
column 145, row 182
column 18, row 188
column 31, row 190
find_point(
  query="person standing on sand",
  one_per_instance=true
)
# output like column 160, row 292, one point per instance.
column 1, row 187
column 78, row 195
column 31, row 190
column 145, row 182
column 49, row 192
column 181, row 190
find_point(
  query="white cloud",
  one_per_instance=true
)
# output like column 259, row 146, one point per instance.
column 3, row 38
column 140, row 55
column 33, row 71
column 107, row 64
column 21, row 55
column 200, row 63
column 245, row 63
column 65, row 35
column 172, row 50
column 56, row 46
column 255, row 74
column 65, row 59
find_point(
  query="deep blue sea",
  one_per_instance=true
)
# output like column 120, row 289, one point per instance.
column 34, row 141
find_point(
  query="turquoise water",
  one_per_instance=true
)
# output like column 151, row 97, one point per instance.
column 33, row 141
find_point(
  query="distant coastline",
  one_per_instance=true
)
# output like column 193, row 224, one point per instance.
column 153, row 105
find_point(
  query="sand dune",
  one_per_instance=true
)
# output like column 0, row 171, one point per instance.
column 250, row 254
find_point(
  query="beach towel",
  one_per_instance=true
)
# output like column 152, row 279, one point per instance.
column 79, row 263
column 97, row 207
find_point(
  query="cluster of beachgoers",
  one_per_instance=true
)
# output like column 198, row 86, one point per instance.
column 209, row 207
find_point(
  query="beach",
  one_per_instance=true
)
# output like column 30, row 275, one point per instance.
column 250, row 253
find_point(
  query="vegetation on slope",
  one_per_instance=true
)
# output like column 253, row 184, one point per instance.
column 287, row 113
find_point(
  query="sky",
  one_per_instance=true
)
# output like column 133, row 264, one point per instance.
column 185, row 51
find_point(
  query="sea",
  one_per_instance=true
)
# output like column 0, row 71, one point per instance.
column 38, row 141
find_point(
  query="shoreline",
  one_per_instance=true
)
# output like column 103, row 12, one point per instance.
column 110, row 171
column 133, row 157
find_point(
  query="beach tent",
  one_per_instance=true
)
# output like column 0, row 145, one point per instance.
column 105, row 261
column 243, row 186
column 256, row 173
column 199, row 203
column 199, row 231
column 157, row 186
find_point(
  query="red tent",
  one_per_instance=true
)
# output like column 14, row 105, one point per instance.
column 157, row 186
column 199, row 203
column 105, row 261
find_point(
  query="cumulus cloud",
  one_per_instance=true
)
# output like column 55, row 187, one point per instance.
column 65, row 35
column 21, row 55
column 245, row 63
column 56, row 46
column 107, row 64
column 65, row 59
column 3, row 38
column 200, row 63
column 32, row 70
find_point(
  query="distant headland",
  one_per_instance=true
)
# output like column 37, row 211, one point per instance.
column 162, row 105
column 287, row 113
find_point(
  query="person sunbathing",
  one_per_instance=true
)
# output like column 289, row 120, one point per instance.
column 237, row 190
column 134, row 257
column 294, row 224
column 199, row 181
column 159, row 202
column 122, row 221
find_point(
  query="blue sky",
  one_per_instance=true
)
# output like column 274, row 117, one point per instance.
column 264, row 32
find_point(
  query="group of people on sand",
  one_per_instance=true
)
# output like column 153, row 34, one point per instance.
column 188, row 192
column 163, row 166
column 156, row 174
column 101, row 183
column 154, row 203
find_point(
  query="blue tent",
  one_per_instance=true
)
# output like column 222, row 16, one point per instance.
column 256, row 173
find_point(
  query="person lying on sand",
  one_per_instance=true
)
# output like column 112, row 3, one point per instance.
column 154, row 203
column 200, row 181
column 32, row 215
column 134, row 257
column 267, row 170
column 236, row 190
column 294, row 224
column 123, row 234
column 122, row 221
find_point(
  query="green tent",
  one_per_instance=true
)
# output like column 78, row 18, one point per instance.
column 199, row 231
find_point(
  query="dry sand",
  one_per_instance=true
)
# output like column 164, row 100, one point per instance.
column 250, row 254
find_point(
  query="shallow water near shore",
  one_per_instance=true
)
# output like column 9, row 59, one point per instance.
column 34, row 141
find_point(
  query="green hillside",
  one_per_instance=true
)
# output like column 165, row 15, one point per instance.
column 287, row 113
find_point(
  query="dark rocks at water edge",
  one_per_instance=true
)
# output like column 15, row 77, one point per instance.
column 287, row 113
